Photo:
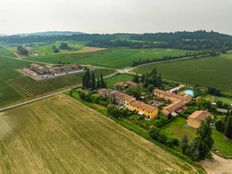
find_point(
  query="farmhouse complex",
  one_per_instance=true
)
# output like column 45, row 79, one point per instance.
column 178, row 101
column 130, row 103
column 42, row 71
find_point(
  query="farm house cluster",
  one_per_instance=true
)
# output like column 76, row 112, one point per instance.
column 56, row 70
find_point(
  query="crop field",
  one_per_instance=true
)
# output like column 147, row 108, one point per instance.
column 209, row 72
column 61, row 135
column 31, row 87
column 112, row 58
column 6, row 52
column 46, row 48
column 8, row 69
column 118, row 78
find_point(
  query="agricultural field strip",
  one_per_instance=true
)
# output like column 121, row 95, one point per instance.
column 48, row 95
column 81, row 141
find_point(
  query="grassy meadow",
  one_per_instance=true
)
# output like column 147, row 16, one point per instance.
column 118, row 78
column 111, row 58
column 61, row 135
column 209, row 72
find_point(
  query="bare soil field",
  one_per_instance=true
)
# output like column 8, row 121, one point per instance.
column 91, row 49
column 61, row 135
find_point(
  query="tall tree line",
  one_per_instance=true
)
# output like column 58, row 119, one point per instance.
column 89, row 81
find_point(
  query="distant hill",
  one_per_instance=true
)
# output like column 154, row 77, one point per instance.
column 52, row 33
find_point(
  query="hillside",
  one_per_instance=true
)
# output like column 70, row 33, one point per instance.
column 61, row 135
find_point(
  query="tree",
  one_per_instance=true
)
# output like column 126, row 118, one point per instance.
column 98, row 83
column 228, row 127
column 152, row 78
column 93, row 81
column 184, row 145
column 205, row 132
column 134, row 91
column 200, row 147
column 103, row 83
column 220, row 126
column 136, row 78
column 55, row 49
column 150, row 88
column 22, row 50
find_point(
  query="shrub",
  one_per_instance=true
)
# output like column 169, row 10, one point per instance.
column 220, row 126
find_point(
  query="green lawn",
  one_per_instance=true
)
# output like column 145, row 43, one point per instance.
column 113, row 58
column 177, row 129
column 209, row 72
column 223, row 99
column 118, row 78
column 222, row 144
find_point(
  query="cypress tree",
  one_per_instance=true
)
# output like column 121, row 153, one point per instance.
column 228, row 127
column 93, row 81
column 88, row 79
column 83, row 81
column 98, row 83
column 103, row 85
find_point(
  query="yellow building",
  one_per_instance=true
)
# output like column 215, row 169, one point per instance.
column 195, row 119
column 132, row 104
column 143, row 109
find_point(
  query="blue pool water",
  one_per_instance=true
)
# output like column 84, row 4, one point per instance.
column 189, row 91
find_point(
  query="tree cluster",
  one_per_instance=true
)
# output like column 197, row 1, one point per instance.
column 152, row 78
column 22, row 50
column 201, row 145
column 116, row 112
column 225, row 126
column 155, row 134
column 89, row 81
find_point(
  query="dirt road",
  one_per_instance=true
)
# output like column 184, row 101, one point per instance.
column 218, row 165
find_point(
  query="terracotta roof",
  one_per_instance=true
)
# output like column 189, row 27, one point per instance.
column 131, row 83
column 169, row 94
column 143, row 106
column 174, row 106
column 200, row 115
column 119, row 84
column 123, row 96
column 34, row 65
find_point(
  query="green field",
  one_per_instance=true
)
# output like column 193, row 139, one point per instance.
column 8, row 69
column 118, row 78
column 5, row 52
column 177, row 129
column 46, row 48
column 209, row 72
column 113, row 58
column 32, row 88
column 61, row 135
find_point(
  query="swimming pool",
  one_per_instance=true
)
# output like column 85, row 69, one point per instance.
column 189, row 91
